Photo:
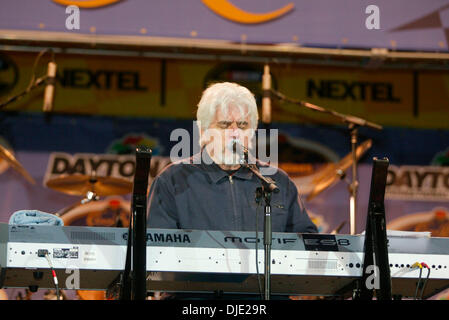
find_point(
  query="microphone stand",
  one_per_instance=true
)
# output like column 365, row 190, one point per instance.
column 37, row 83
column 353, row 124
column 267, row 240
column 268, row 187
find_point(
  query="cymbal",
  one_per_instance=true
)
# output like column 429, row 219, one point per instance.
column 80, row 185
column 330, row 173
column 11, row 160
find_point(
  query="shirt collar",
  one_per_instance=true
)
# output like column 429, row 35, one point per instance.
column 215, row 173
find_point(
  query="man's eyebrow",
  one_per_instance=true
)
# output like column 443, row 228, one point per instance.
column 238, row 121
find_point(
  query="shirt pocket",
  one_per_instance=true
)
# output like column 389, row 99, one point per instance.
column 279, row 214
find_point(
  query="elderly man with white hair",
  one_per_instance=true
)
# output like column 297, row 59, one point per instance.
column 212, row 190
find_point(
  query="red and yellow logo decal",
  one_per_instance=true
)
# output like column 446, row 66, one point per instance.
column 229, row 11
column 86, row 3
column 223, row 8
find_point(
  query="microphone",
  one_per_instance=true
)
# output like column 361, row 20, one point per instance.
column 237, row 147
column 50, row 87
column 266, row 94
column 267, row 182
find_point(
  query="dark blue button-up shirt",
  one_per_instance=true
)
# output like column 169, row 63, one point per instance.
column 202, row 196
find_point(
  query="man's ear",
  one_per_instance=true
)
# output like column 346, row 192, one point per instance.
column 203, row 138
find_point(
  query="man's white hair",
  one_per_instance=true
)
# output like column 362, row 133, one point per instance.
column 223, row 95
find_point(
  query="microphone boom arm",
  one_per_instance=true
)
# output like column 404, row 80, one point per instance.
column 33, row 84
column 268, row 183
column 39, row 81
column 345, row 118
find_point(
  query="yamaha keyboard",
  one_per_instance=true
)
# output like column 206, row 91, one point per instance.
column 207, row 261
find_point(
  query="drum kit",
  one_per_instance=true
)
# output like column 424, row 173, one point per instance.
column 336, row 171
column 7, row 156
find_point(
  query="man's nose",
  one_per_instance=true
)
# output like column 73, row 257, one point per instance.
column 234, row 130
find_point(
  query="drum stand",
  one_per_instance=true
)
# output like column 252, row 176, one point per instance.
column 353, row 187
column 353, row 124
column 90, row 196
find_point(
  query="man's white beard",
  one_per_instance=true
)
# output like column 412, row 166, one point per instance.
column 227, row 156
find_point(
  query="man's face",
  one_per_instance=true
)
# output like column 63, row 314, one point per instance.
column 224, row 129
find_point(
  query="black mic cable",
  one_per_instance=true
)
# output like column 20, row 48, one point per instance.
column 418, row 265
column 427, row 279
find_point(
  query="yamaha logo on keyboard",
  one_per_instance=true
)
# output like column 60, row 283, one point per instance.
column 168, row 237
column 164, row 237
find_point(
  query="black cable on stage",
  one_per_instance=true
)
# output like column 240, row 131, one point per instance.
column 419, row 283
column 427, row 279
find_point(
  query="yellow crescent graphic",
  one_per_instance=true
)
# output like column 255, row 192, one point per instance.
column 227, row 10
column 87, row 3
